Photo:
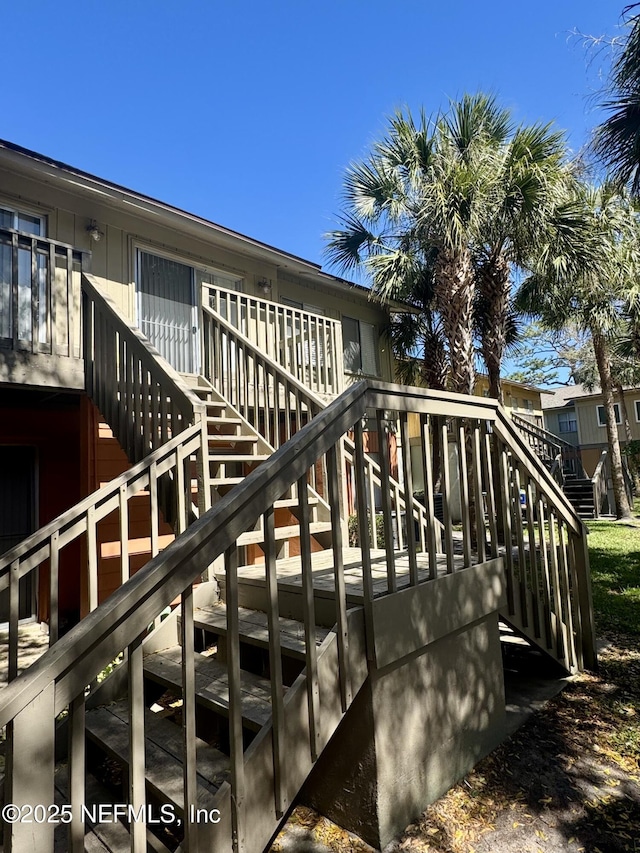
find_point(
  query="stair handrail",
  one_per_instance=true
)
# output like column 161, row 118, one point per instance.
column 272, row 320
column 599, row 483
column 184, row 560
column 308, row 399
column 524, row 453
column 47, row 542
column 536, row 429
column 57, row 681
column 143, row 399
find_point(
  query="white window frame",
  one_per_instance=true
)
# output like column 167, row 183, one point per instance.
column 603, row 423
column 636, row 404
column 25, row 211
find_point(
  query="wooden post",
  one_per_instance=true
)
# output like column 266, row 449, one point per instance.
column 30, row 772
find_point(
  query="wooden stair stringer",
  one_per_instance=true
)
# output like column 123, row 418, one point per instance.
column 259, row 819
column 263, row 447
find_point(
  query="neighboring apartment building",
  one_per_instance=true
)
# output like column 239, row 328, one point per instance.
column 577, row 415
column 163, row 268
column 518, row 397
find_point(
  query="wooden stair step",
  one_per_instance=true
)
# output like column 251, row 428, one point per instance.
column 254, row 628
column 108, row 727
column 221, row 420
column 212, row 685
column 255, row 537
column 216, row 482
column 109, row 836
column 216, row 440
column 237, row 457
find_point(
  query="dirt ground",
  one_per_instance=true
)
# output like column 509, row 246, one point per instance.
column 568, row 781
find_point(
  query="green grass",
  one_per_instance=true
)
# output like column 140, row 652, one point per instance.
column 614, row 551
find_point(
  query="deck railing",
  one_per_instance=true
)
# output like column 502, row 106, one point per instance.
column 277, row 405
column 39, row 295
column 541, row 546
column 80, row 526
column 306, row 345
column 144, row 400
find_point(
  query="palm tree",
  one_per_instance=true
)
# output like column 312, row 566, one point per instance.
column 580, row 278
column 532, row 180
column 617, row 139
column 424, row 196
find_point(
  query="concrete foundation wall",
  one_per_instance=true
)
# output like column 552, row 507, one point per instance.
column 416, row 727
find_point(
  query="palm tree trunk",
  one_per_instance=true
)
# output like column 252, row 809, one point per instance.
column 454, row 294
column 601, row 349
column 495, row 286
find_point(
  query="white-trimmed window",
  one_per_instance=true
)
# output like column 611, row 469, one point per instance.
column 637, row 408
column 360, row 347
column 602, row 420
column 567, row 422
column 22, row 220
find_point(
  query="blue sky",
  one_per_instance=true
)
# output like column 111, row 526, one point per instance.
column 248, row 112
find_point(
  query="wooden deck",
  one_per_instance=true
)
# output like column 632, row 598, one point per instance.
column 290, row 572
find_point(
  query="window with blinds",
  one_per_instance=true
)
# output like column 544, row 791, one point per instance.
column 360, row 347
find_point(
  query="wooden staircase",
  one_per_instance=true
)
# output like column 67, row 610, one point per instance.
column 219, row 712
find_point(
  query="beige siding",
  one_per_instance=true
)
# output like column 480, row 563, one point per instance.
column 69, row 211
column 591, row 433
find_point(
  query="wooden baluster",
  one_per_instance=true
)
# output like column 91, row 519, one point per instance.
column 147, row 433
column 92, row 558
column 505, row 488
column 372, row 506
column 385, row 489
column 309, row 619
column 190, row 782
column 561, row 646
column 153, row 505
column 575, row 605
column 463, row 474
column 535, row 575
column 14, row 290
column 522, row 561
column 446, row 497
column 54, row 566
column 398, row 516
column 334, row 471
column 182, row 501
column 34, row 295
column 489, row 474
column 544, row 566
column 275, row 665
column 433, row 534
column 481, row 533
column 566, row 596
column 276, row 411
column 235, row 707
column 14, row 616
column 364, row 520
column 77, row 772
column 73, row 314
column 408, row 499
column 131, row 417
column 137, row 763
column 137, row 414
column 51, row 290
column 124, row 534
column 123, row 410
